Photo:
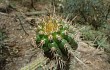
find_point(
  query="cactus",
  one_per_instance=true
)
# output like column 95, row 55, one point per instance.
column 54, row 37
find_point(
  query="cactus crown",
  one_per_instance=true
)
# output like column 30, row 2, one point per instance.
column 50, row 26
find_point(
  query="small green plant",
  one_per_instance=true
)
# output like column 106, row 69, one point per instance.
column 54, row 38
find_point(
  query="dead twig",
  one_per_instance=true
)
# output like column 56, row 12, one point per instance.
column 21, row 23
column 73, row 19
column 5, row 14
column 98, row 48
column 32, row 4
column 36, row 13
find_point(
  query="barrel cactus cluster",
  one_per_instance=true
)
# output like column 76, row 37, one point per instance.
column 55, row 39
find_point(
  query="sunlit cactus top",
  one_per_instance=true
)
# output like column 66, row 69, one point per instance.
column 50, row 26
column 54, row 38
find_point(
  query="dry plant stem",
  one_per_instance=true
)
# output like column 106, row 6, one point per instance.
column 32, row 4
column 95, row 39
column 36, row 13
column 73, row 19
column 80, row 61
column 73, row 54
column 54, row 10
column 98, row 47
column 4, row 14
column 35, row 64
column 95, row 52
column 7, row 4
column 21, row 23
column 67, row 17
